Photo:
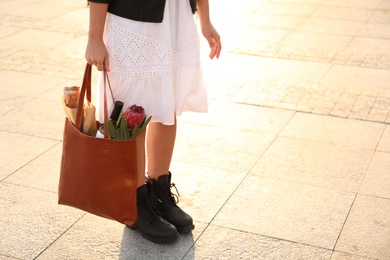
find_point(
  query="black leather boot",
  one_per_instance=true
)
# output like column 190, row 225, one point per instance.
column 167, row 204
column 150, row 224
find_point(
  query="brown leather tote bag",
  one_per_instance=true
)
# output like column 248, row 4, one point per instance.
column 98, row 175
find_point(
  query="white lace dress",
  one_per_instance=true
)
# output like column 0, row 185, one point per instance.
column 155, row 65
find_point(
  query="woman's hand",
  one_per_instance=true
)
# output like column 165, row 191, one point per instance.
column 213, row 39
column 208, row 29
column 96, row 54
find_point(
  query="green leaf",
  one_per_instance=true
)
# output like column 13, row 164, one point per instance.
column 112, row 130
column 125, row 135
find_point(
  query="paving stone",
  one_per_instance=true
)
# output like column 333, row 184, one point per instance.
column 333, row 130
column 380, row 16
column 284, row 8
column 287, row 210
column 344, row 256
column 31, row 220
column 369, row 45
column 223, row 243
column 7, row 6
column 203, row 190
column 319, row 164
column 39, row 40
column 367, row 238
column 46, row 11
column 39, row 118
column 10, row 102
column 322, row 25
column 3, row 257
column 97, row 238
column 375, row 30
column 344, row 13
column 18, row 150
column 26, row 84
column 241, row 41
column 241, row 116
column 42, row 173
column 384, row 144
column 320, row 43
column 357, row 80
column 8, row 30
column 376, row 181
column 378, row 115
column 218, row 147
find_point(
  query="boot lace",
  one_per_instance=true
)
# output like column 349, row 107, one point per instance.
column 168, row 196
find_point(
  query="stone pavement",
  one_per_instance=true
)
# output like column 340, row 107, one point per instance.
column 291, row 162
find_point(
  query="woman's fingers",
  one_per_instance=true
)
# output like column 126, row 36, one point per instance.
column 96, row 54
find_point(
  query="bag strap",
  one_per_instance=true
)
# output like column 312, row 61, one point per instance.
column 86, row 91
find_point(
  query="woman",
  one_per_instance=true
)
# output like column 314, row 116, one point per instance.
column 150, row 49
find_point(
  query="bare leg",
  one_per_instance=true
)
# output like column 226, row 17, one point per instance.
column 140, row 140
column 160, row 142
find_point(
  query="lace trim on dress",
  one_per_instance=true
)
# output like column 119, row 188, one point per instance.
column 136, row 56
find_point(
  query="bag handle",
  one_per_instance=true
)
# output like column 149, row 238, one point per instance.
column 86, row 90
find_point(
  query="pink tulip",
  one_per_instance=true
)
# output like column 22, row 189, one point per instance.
column 134, row 115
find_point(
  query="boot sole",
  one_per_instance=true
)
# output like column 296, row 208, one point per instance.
column 159, row 240
column 186, row 229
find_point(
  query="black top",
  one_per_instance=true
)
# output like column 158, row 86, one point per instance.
column 140, row 10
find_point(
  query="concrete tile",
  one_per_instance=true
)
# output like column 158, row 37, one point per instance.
column 97, row 238
column 290, row 70
column 242, row 41
column 315, row 42
column 322, row 25
column 343, row 13
column 223, row 243
column 75, row 21
column 46, row 11
column 385, row 5
column 252, row 68
column 26, row 84
column 6, row 7
column 219, row 148
column 344, row 256
column 287, row 210
column 9, row 102
column 376, row 30
column 357, row 80
column 367, row 228
column 71, row 49
column 31, row 220
column 42, row 173
column 8, row 30
column 60, row 3
column 3, row 257
column 38, row 40
column 380, row 16
column 201, row 195
column 314, row 163
column 285, row 8
column 377, row 179
column 369, row 45
column 18, row 150
column 372, row 4
column 241, row 117
column 40, row 118
column 272, row 20
column 333, row 130
column 384, row 143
